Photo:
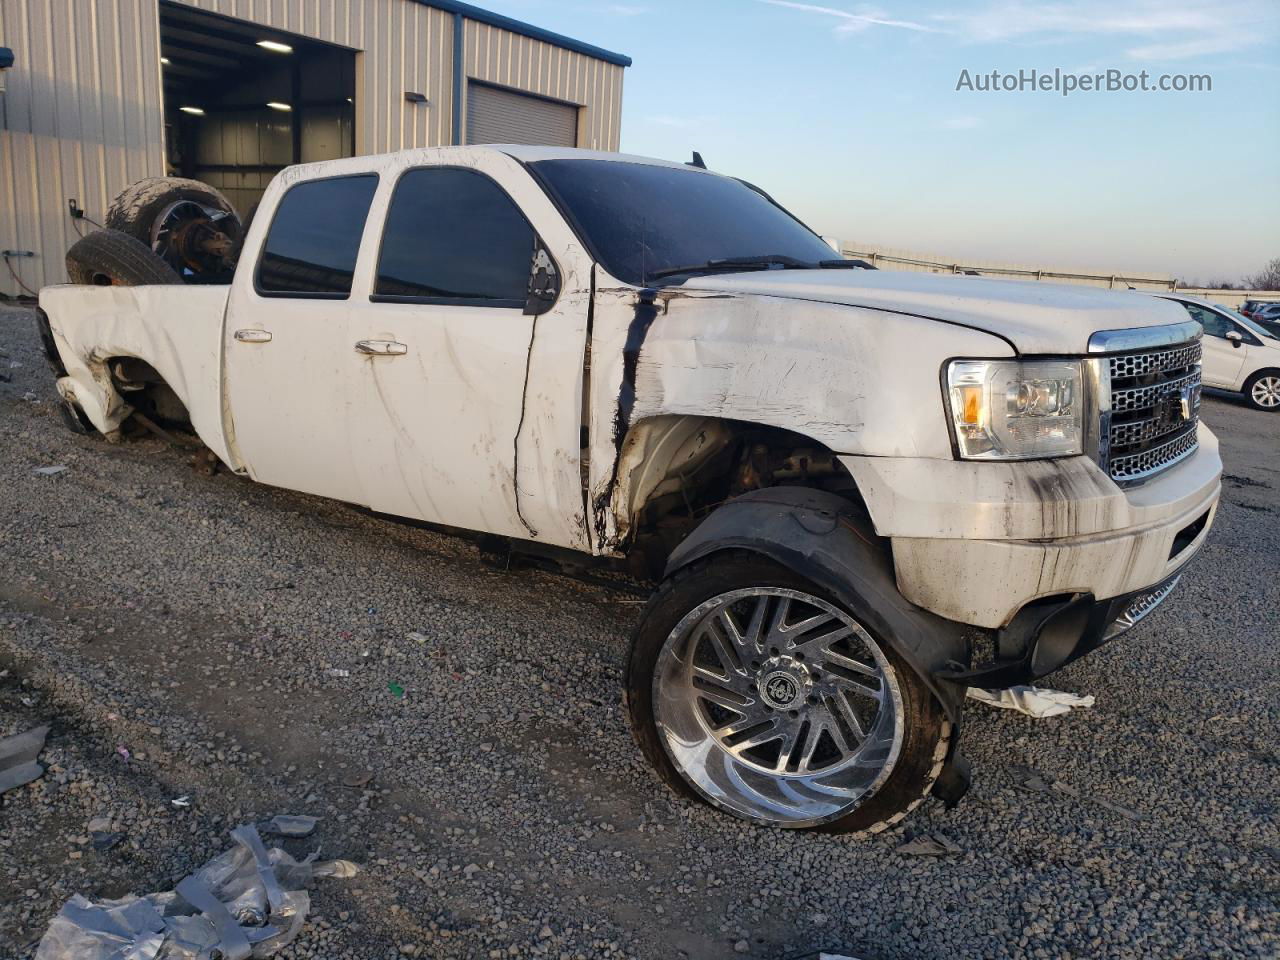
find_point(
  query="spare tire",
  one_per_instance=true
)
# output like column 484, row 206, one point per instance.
column 189, row 224
column 109, row 258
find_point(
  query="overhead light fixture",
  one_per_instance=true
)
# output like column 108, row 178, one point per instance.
column 277, row 105
column 194, row 111
column 275, row 46
column 166, row 61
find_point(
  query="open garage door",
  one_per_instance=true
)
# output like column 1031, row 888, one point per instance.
column 242, row 101
column 498, row 115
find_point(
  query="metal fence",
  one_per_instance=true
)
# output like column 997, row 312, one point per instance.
column 887, row 258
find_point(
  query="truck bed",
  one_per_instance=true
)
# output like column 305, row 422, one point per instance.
column 177, row 329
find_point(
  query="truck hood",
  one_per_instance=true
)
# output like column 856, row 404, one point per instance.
column 1035, row 317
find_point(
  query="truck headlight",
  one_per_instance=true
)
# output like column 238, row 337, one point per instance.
column 1016, row 409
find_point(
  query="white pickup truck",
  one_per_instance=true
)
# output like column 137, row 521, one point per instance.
column 861, row 491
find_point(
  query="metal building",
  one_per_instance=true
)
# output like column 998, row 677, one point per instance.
column 101, row 93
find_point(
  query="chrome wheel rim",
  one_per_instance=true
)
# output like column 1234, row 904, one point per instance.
column 777, row 706
column 1266, row 392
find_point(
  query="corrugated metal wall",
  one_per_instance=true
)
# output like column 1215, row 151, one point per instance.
column 522, row 63
column 81, row 117
column 99, row 126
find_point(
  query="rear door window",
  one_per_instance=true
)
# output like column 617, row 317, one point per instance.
column 453, row 236
column 314, row 240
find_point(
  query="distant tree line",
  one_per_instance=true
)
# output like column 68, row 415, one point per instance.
column 1267, row 279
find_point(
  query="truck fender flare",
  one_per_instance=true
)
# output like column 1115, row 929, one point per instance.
column 829, row 540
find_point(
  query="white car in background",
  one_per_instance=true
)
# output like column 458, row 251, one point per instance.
column 1239, row 355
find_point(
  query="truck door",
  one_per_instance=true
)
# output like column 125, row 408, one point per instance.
column 470, row 406
column 289, row 362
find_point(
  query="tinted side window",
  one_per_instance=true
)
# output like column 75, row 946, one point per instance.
column 315, row 236
column 454, row 236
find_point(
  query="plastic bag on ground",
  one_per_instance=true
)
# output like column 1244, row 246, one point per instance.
column 247, row 901
column 1032, row 701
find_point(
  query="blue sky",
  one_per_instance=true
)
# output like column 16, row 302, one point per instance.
column 849, row 115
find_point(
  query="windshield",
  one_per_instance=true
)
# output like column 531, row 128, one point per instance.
column 639, row 219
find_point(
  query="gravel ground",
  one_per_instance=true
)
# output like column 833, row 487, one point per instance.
column 202, row 622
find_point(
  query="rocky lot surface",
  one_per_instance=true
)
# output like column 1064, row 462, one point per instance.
column 459, row 729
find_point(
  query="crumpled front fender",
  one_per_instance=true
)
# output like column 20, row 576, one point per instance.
column 829, row 540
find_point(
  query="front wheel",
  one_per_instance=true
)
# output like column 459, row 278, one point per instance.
column 1262, row 390
column 751, row 689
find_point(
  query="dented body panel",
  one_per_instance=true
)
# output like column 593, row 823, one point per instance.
column 975, row 542
column 834, row 374
column 176, row 329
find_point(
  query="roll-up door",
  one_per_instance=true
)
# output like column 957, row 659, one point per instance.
column 496, row 115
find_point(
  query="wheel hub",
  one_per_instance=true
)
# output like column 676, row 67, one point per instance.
column 1266, row 392
column 783, row 683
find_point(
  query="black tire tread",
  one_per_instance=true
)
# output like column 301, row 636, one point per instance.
column 118, row 257
column 135, row 208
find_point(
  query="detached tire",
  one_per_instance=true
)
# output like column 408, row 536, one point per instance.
column 109, row 258
column 188, row 224
column 138, row 207
column 751, row 689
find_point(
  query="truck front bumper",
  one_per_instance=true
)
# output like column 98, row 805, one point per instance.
column 979, row 542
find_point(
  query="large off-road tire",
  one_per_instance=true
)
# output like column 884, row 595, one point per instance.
column 138, row 206
column 107, row 258
column 1262, row 391
column 736, row 650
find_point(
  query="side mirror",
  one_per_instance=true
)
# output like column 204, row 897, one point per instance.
column 1235, row 338
column 544, row 283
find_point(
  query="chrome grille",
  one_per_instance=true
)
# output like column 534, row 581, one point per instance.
column 1141, row 364
column 1137, row 465
column 1151, row 421
column 1139, row 607
column 1139, row 398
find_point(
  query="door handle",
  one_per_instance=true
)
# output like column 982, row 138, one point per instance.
column 382, row 348
column 253, row 336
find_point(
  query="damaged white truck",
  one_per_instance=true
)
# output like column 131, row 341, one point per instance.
column 860, row 491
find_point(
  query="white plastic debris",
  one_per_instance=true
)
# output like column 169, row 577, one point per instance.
column 338, row 869
column 930, row 845
column 50, row 471
column 18, row 758
column 284, row 825
column 1033, row 701
column 248, row 901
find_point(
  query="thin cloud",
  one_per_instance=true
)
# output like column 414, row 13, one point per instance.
column 853, row 22
column 1164, row 30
